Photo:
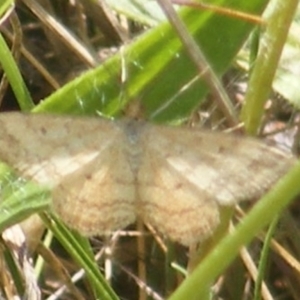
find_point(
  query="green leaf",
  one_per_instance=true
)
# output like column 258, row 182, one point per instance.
column 159, row 72
column 19, row 198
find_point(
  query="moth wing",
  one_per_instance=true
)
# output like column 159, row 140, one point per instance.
column 185, row 174
column 82, row 160
column 178, row 208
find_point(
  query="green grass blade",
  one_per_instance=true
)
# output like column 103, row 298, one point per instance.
column 14, row 76
column 78, row 247
column 266, row 63
column 261, row 215
column 158, row 69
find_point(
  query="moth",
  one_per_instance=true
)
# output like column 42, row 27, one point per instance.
column 104, row 174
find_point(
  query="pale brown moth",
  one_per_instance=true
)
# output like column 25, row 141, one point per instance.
column 104, row 173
